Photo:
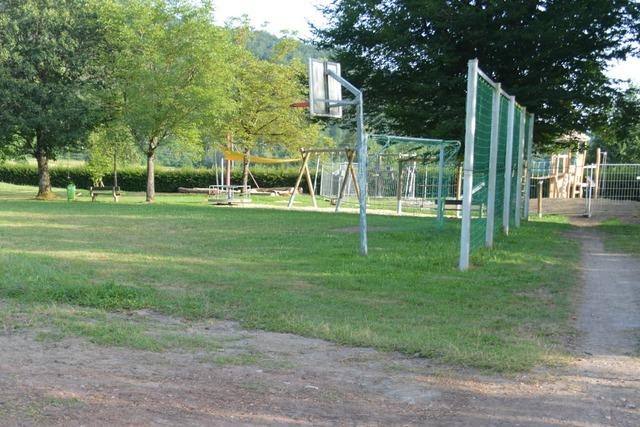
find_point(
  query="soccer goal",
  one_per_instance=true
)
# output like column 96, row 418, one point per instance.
column 405, row 175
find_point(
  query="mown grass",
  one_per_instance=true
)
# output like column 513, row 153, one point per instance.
column 295, row 272
column 621, row 237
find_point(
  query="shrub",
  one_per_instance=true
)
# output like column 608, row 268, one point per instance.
column 135, row 178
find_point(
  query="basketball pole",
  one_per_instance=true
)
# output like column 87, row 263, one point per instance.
column 361, row 149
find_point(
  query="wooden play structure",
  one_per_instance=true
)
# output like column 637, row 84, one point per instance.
column 565, row 174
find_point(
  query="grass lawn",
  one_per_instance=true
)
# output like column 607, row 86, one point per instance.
column 622, row 237
column 295, row 272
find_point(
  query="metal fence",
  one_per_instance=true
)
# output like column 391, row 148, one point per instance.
column 613, row 189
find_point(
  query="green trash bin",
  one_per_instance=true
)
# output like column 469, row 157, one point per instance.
column 71, row 192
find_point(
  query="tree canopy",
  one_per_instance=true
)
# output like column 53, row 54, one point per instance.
column 171, row 71
column 619, row 135
column 49, row 77
column 410, row 57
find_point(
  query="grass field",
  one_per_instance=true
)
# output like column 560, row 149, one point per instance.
column 69, row 265
column 622, row 237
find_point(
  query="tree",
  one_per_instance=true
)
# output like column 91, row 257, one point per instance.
column 410, row 57
column 619, row 136
column 171, row 68
column 264, row 93
column 49, row 78
column 108, row 146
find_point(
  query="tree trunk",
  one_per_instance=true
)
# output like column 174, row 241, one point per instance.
column 151, row 184
column 44, row 179
column 245, row 171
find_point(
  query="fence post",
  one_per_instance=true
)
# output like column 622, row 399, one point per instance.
column 507, row 165
column 540, row 184
column 493, row 163
column 440, row 184
column 469, row 138
column 597, row 173
column 527, row 188
column 518, row 189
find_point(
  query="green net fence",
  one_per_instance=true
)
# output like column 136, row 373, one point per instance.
column 503, row 130
column 514, row 165
column 496, row 145
column 481, row 154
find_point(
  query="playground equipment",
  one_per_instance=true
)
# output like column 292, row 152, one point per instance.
column 227, row 194
column 498, row 150
column 564, row 173
column 349, row 175
column 404, row 174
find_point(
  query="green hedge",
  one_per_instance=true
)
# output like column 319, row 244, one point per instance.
column 135, row 179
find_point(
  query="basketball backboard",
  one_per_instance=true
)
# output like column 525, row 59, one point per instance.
column 323, row 89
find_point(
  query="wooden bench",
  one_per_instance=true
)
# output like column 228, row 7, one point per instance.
column 113, row 191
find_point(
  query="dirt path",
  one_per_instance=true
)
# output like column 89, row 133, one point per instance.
column 609, row 314
column 262, row 378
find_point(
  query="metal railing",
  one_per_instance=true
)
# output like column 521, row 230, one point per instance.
column 613, row 188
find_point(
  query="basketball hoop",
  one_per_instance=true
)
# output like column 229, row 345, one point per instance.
column 301, row 104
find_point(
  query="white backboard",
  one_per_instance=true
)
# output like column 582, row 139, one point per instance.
column 324, row 88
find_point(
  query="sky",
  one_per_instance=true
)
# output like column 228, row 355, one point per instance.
column 275, row 16
column 279, row 15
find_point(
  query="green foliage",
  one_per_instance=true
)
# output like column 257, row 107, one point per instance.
column 265, row 90
column 135, row 179
column 410, row 57
column 49, row 77
column 106, row 144
column 263, row 45
column 619, row 136
column 171, row 70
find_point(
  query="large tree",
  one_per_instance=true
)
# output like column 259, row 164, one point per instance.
column 410, row 57
column 619, row 135
column 49, row 78
column 172, row 70
column 265, row 90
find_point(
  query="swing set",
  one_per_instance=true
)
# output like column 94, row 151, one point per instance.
column 304, row 172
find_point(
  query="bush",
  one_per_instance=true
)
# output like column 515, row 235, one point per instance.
column 135, row 178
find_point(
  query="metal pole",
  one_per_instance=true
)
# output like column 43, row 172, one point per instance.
column 493, row 164
column 540, row 183
column 596, row 180
column 115, row 174
column 590, row 187
column 362, row 173
column 527, row 188
column 518, row 188
column 470, row 134
column 507, row 165
column 440, row 185
column 361, row 148
column 399, row 189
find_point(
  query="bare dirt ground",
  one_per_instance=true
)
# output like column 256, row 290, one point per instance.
column 263, row 378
